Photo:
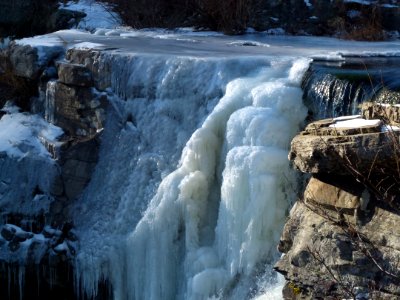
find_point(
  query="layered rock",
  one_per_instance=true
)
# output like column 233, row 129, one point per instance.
column 341, row 240
column 324, row 147
column 36, row 230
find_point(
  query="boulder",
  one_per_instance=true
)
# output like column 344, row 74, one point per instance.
column 77, row 164
column 389, row 113
column 8, row 232
column 79, row 111
column 25, row 61
column 91, row 59
column 323, row 258
column 327, row 150
column 341, row 195
column 74, row 74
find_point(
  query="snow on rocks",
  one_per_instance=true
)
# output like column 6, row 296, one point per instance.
column 22, row 133
column 327, row 144
column 26, row 247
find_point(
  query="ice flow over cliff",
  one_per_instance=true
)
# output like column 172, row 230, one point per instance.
column 193, row 183
column 191, row 191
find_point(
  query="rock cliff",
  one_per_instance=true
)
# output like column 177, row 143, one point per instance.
column 341, row 240
column 37, row 238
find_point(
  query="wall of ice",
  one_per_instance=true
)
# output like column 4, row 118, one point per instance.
column 192, row 186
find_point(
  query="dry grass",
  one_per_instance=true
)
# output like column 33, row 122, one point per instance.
column 230, row 16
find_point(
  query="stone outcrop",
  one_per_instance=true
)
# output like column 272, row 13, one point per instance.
column 36, row 231
column 78, row 110
column 387, row 112
column 341, row 240
column 322, row 148
column 31, row 17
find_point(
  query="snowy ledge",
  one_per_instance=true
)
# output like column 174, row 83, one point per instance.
column 22, row 134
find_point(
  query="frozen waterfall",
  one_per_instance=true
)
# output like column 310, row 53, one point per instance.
column 193, row 183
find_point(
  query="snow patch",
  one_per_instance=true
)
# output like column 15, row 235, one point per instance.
column 276, row 31
column 345, row 118
column 356, row 123
column 47, row 46
column 21, row 133
column 87, row 45
column 390, row 128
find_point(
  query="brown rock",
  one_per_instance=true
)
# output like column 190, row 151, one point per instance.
column 91, row 59
column 390, row 114
column 320, row 247
column 330, row 195
column 71, row 108
column 74, row 74
column 334, row 154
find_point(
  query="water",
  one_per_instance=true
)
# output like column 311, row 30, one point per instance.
column 193, row 184
column 335, row 89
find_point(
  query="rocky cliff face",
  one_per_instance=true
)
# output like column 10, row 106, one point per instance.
column 37, row 238
column 341, row 240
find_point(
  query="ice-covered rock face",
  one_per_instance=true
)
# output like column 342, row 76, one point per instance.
column 236, row 117
column 190, row 191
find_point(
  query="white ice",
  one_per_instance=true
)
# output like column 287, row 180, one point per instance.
column 355, row 123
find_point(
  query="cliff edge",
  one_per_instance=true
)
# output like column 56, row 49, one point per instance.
column 341, row 240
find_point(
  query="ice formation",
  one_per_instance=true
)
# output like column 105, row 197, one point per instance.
column 200, row 220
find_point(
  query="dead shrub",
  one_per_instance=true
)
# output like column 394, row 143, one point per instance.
column 230, row 16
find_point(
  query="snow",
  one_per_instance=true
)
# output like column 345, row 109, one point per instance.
column 87, row 45
column 309, row 5
column 389, row 5
column 21, row 133
column 99, row 14
column 353, row 14
column 345, row 118
column 249, row 43
column 61, row 247
column 388, row 105
column 276, row 31
column 356, row 123
column 390, row 128
column 363, row 2
column 47, row 47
